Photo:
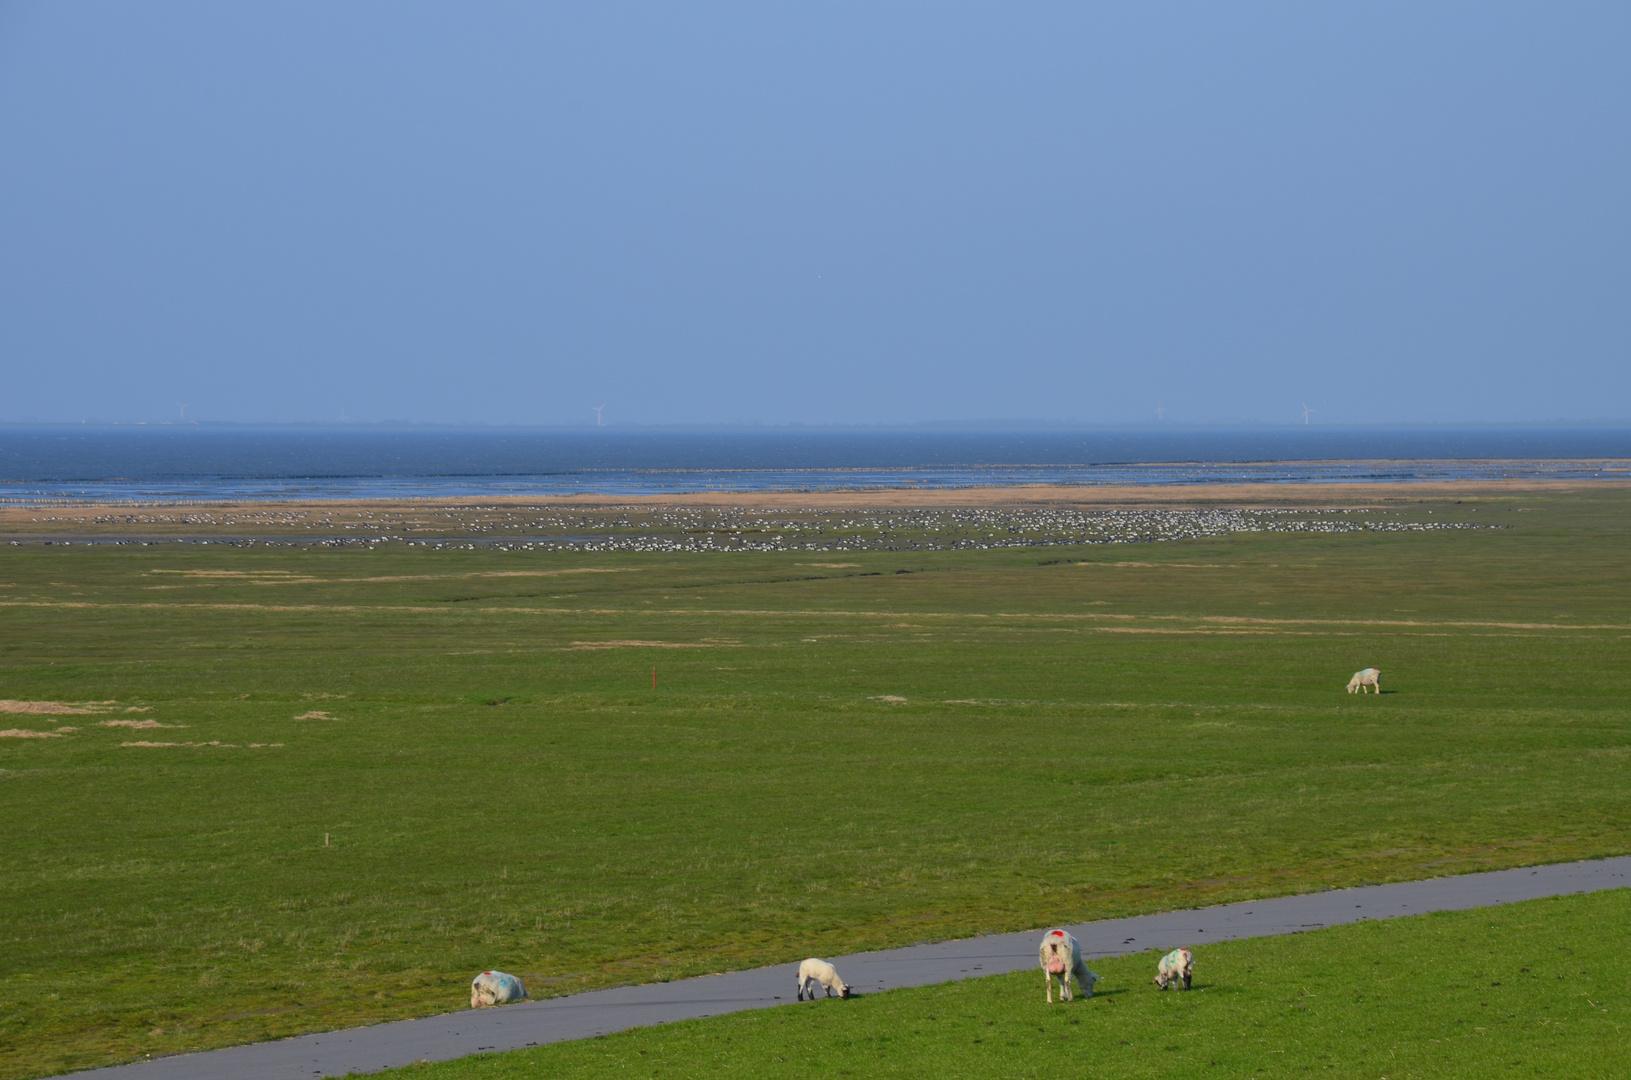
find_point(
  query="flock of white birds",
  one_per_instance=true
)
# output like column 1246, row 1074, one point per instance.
column 726, row 529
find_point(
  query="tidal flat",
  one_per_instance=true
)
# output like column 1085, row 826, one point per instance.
column 266, row 788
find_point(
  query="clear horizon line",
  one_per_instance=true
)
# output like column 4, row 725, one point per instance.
column 1009, row 425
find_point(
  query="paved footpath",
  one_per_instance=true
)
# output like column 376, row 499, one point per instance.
column 443, row 1038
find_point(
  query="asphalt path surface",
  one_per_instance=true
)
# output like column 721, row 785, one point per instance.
column 533, row 1023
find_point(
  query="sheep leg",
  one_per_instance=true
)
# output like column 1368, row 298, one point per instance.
column 1047, row 978
column 1186, row 980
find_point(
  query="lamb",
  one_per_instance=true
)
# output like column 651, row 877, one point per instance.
column 1371, row 677
column 814, row 971
column 1061, row 956
column 495, row 988
column 1177, row 964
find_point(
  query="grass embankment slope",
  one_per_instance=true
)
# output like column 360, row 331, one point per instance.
column 1531, row 989
column 838, row 755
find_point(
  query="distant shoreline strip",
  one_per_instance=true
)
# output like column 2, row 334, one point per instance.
column 645, row 482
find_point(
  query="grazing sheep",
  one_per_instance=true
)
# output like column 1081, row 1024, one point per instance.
column 1060, row 956
column 814, row 971
column 1371, row 677
column 495, row 988
column 1177, row 964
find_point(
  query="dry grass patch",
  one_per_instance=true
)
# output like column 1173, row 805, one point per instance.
column 630, row 643
column 55, row 707
column 557, row 573
column 213, row 742
column 242, row 575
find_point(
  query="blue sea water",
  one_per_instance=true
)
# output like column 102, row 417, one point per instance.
column 40, row 464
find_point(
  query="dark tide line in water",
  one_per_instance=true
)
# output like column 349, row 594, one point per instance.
column 162, row 464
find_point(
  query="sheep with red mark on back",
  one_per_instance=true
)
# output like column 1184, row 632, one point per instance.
column 1060, row 957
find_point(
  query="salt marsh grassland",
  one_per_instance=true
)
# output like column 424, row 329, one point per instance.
column 300, row 778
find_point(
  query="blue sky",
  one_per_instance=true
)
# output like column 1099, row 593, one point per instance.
column 828, row 213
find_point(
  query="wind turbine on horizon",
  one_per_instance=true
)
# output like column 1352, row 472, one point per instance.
column 183, row 409
column 1306, row 411
column 1160, row 411
column 598, row 421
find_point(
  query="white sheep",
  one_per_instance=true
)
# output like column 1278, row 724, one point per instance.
column 1371, row 677
column 1179, row 964
column 814, row 971
column 495, row 988
column 1060, row 956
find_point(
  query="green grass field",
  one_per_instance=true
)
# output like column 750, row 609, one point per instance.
column 838, row 754
column 1532, row 989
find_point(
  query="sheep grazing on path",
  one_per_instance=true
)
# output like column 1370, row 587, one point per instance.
column 814, row 971
column 1177, row 965
column 1371, row 677
column 1061, row 957
column 495, row 988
